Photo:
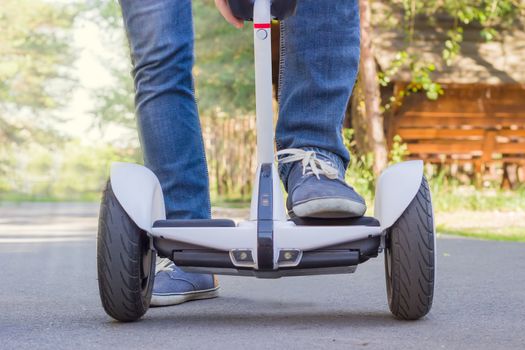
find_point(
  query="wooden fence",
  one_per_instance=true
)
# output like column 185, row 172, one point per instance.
column 231, row 152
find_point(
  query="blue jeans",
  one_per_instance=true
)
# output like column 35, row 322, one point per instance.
column 319, row 62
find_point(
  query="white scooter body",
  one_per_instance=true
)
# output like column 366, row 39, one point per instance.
column 268, row 245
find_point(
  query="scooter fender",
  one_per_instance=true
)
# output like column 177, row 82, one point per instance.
column 396, row 188
column 138, row 191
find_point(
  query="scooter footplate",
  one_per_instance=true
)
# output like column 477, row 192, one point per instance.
column 194, row 223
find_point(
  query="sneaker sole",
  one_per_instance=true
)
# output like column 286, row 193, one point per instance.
column 175, row 299
column 329, row 208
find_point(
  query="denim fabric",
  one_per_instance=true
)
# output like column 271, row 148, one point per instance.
column 318, row 68
column 319, row 61
column 160, row 34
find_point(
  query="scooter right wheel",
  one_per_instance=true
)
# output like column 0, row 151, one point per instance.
column 125, row 262
column 410, row 259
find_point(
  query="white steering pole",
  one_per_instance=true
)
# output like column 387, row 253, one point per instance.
column 264, row 108
column 263, row 80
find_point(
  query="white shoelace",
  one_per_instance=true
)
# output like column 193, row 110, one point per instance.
column 163, row 264
column 311, row 165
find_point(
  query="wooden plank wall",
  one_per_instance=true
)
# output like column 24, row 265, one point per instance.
column 480, row 124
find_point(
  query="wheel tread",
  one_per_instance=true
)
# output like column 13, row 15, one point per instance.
column 119, row 245
column 410, row 240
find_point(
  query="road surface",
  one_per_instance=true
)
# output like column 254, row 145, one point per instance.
column 49, row 299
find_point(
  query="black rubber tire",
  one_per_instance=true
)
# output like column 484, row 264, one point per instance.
column 409, row 259
column 125, row 262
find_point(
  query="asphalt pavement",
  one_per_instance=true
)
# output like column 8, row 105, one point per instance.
column 49, row 299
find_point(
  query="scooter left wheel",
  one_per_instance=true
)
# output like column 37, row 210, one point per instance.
column 410, row 258
column 125, row 262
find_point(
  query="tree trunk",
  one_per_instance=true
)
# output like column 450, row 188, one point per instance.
column 369, row 85
column 359, row 120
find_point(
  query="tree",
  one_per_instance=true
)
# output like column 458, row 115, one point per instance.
column 34, row 57
column 368, row 87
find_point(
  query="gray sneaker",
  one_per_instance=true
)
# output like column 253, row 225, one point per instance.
column 173, row 286
column 315, row 188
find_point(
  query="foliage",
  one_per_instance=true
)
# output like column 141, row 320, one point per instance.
column 34, row 61
column 115, row 105
column 448, row 194
column 421, row 77
column 449, row 197
column 491, row 16
column 76, row 172
column 398, row 151
column 224, row 63
column 360, row 172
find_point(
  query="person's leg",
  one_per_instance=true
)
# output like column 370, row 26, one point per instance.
column 318, row 68
column 160, row 34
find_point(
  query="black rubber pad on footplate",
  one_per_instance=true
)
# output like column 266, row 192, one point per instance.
column 265, row 219
column 194, row 223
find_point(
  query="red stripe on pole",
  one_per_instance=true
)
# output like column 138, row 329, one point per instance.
column 261, row 25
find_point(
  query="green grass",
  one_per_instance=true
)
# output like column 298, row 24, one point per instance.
column 21, row 198
column 447, row 199
column 231, row 203
column 509, row 234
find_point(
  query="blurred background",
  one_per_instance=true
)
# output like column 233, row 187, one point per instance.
column 442, row 81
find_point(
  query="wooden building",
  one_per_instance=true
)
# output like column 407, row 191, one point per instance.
column 480, row 118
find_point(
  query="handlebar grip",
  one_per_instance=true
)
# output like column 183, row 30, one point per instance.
column 280, row 9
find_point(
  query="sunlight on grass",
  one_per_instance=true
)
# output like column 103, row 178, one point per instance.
column 504, row 233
